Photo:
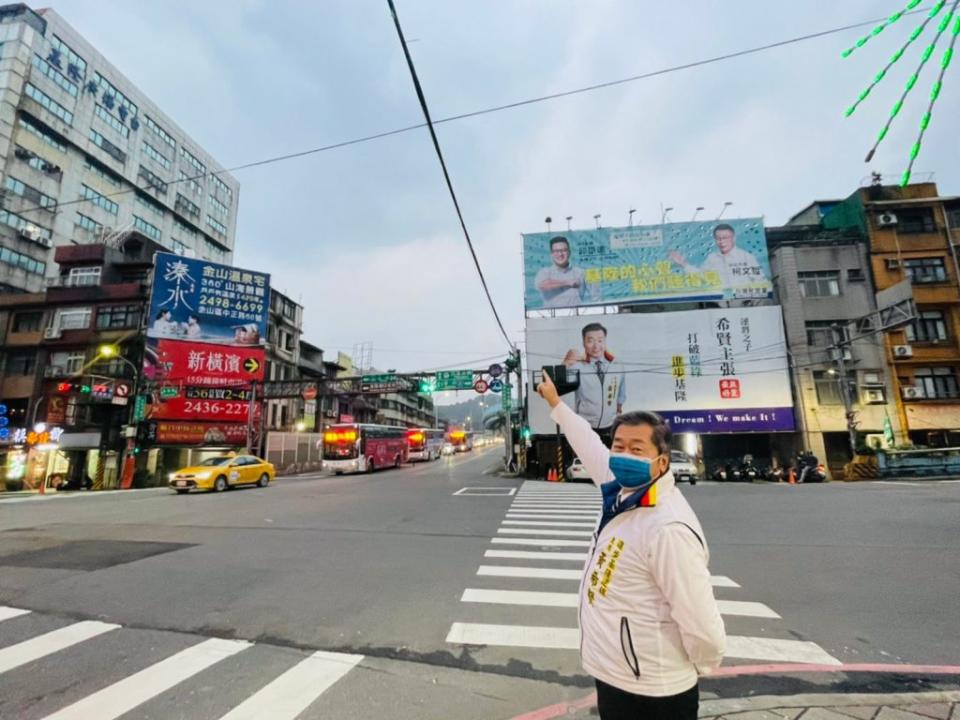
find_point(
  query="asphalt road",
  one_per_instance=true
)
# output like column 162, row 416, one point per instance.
column 375, row 569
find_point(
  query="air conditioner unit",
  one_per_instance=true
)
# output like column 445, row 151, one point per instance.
column 29, row 232
column 52, row 332
column 886, row 219
column 913, row 392
column 873, row 396
column 903, row 351
column 893, row 263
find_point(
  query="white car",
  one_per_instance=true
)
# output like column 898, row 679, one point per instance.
column 447, row 449
column 683, row 467
column 577, row 472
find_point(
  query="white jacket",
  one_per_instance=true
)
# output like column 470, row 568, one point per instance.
column 648, row 618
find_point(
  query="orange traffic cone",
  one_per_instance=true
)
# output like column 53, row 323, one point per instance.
column 792, row 476
column 552, row 475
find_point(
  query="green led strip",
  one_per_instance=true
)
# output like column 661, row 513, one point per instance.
column 880, row 28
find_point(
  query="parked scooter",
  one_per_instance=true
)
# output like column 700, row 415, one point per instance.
column 810, row 469
column 748, row 471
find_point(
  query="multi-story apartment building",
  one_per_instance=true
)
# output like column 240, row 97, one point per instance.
column 913, row 234
column 86, row 157
column 284, row 327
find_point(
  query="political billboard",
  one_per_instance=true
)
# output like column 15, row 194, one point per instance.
column 705, row 371
column 676, row 262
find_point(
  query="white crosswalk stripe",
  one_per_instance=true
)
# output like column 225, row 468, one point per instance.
column 554, row 516
column 123, row 696
column 283, row 697
column 51, row 642
column 292, row 692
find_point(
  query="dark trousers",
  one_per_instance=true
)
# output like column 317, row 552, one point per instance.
column 616, row 704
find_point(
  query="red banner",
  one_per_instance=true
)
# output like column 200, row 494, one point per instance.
column 202, row 403
column 205, row 364
column 191, row 433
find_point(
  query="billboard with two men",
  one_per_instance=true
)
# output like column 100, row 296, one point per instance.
column 676, row 262
column 720, row 370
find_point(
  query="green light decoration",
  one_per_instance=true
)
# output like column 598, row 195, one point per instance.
column 944, row 25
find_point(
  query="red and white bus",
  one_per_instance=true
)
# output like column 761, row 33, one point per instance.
column 424, row 444
column 462, row 440
column 363, row 448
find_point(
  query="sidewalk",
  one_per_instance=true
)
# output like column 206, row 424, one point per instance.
column 865, row 706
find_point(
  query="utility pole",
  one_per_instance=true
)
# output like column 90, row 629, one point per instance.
column 838, row 347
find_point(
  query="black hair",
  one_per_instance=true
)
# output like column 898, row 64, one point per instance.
column 662, row 434
column 591, row 328
column 161, row 313
column 723, row 226
column 194, row 316
column 559, row 239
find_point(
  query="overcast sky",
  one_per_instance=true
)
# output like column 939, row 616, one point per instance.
column 365, row 237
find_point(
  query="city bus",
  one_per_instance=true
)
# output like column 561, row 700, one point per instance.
column 424, row 444
column 462, row 440
column 363, row 447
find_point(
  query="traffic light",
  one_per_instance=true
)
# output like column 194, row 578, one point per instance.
column 525, row 432
column 512, row 362
column 426, row 386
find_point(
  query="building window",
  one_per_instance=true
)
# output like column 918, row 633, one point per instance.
column 84, row 276
column 76, row 65
column 25, row 226
column 108, row 147
column 930, row 325
column 51, row 105
column 68, row 363
column 93, row 167
column 154, row 181
column 953, row 217
column 916, row 220
column 88, row 223
column 74, row 319
column 819, row 284
column 37, row 162
column 221, row 187
column 150, row 204
column 88, row 193
column 116, row 97
column 820, row 332
column 21, row 362
column 184, row 229
column 55, row 75
column 178, row 247
column 101, row 112
column 855, row 275
column 24, row 262
column 28, row 192
column 116, row 317
column 214, row 251
column 217, row 227
column 938, row 383
column 219, row 210
column 160, row 132
column 156, row 155
column 27, row 321
column 191, row 183
column 187, row 207
column 192, row 161
column 42, row 134
column 151, row 231
column 925, row 270
column 828, row 387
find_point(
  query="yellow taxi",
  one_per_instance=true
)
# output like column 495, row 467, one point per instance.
column 221, row 473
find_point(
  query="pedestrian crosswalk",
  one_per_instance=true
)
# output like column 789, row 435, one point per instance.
column 544, row 538
column 60, row 653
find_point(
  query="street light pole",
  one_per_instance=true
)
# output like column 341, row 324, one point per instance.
column 837, row 349
column 111, row 352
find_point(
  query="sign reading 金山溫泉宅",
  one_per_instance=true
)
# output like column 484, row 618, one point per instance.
column 676, row 262
column 207, row 328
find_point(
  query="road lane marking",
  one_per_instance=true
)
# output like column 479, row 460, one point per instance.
column 546, row 504
column 514, row 636
column 746, row 609
column 529, row 572
column 556, row 514
column 520, row 597
column 534, row 531
column 121, row 697
column 534, row 523
column 722, row 581
column 51, row 642
column 557, row 542
column 293, row 691
column 796, row 651
column 8, row 613
column 532, row 555
column 556, row 511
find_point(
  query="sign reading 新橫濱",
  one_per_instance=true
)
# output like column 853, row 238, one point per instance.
column 721, row 260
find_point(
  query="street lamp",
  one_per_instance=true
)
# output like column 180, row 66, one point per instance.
column 696, row 212
column 301, row 426
column 724, row 209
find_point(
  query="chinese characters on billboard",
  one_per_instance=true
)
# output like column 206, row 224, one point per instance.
column 700, row 369
column 654, row 263
column 205, row 341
